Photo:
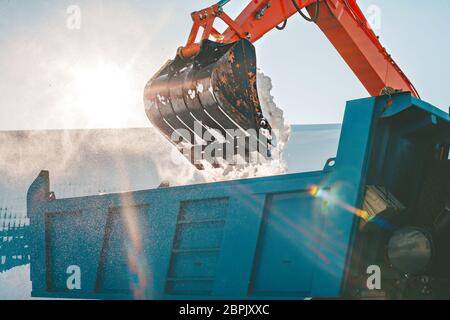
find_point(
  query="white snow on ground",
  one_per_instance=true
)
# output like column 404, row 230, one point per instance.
column 15, row 284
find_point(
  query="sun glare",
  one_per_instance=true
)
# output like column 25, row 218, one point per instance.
column 102, row 94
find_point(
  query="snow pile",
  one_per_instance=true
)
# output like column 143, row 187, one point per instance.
column 15, row 284
column 179, row 171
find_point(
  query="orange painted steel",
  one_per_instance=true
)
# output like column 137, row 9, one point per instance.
column 342, row 22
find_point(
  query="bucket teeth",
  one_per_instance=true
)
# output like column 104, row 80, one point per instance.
column 206, row 102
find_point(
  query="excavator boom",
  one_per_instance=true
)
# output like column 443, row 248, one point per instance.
column 205, row 101
column 345, row 26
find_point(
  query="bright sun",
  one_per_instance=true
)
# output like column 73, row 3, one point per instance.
column 101, row 95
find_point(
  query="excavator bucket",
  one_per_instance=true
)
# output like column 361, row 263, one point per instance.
column 208, row 105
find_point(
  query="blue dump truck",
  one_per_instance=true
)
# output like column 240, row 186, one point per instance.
column 374, row 223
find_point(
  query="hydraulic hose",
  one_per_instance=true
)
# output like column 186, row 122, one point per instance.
column 310, row 19
column 281, row 27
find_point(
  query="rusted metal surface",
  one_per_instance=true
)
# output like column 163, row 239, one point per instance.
column 213, row 91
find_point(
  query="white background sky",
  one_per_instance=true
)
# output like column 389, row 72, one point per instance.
column 52, row 77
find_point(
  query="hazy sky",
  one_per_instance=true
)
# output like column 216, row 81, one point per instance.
column 52, row 76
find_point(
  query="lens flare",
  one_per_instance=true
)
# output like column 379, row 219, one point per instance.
column 135, row 254
column 140, row 275
column 323, row 194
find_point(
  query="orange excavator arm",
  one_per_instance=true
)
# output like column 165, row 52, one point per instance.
column 211, row 84
column 342, row 22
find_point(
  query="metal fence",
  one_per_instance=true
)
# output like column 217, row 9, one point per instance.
column 14, row 231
